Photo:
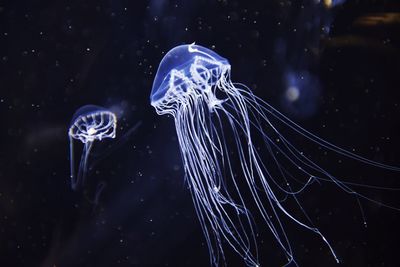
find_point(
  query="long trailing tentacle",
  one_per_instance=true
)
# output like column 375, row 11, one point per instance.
column 206, row 157
column 261, row 104
column 242, row 119
column 246, row 112
column 298, row 158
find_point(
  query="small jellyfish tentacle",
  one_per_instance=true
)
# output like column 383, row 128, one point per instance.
column 81, row 176
column 72, row 161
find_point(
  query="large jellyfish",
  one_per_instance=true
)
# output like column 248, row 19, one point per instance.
column 89, row 123
column 238, row 163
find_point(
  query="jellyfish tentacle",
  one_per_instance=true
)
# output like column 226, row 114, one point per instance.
column 270, row 141
column 81, row 176
column 262, row 172
column 72, row 162
column 282, row 238
column 202, row 165
column 318, row 140
column 305, row 161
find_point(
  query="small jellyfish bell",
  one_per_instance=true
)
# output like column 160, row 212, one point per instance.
column 89, row 123
column 242, row 168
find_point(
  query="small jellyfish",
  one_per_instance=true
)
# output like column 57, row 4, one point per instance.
column 240, row 159
column 89, row 123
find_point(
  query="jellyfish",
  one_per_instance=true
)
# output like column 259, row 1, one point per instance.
column 238, row 162
column 89, row 123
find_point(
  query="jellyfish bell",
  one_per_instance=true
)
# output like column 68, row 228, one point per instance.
column 90, row 123
column 187, row 70
column 259, row 172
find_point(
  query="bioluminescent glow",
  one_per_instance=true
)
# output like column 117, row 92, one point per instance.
column 89, row 123
column 237, row 161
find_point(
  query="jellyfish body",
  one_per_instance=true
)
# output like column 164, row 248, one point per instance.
column 89, row 123
column 231, row 182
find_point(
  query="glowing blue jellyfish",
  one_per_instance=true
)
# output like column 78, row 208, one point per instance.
column 89, row 123
column 237, row 162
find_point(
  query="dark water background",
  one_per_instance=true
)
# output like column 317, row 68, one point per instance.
column 56, row 56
